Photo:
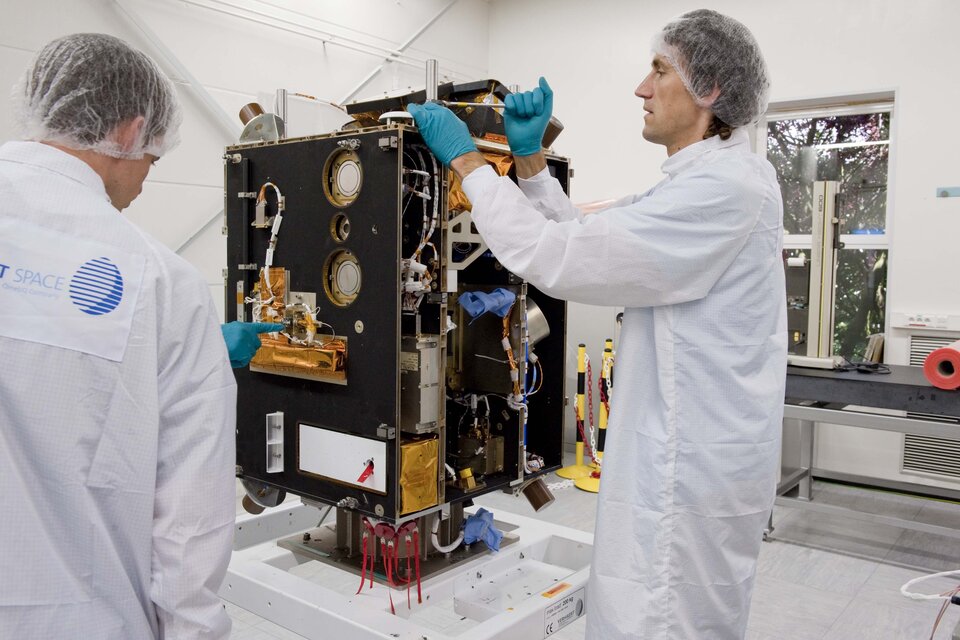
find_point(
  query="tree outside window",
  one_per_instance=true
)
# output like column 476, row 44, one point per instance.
column 852, row 149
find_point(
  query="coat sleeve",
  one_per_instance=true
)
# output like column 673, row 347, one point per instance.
column 667, row 247
column 546, row 195
column 195, row 504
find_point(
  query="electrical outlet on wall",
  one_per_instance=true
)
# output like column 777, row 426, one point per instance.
column 925, row 320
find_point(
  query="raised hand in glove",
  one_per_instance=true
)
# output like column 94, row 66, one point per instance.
column 525, row 118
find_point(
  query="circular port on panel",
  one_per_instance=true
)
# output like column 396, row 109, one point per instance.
column 342, row 278
column 342, row 177
column 340, row 227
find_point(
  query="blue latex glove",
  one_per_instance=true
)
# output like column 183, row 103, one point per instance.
column 243, row 339
column 497, row 301
column 445, row 134
column 480, row 527
column 525, row 118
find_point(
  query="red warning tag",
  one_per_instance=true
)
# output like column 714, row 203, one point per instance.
column 367, row 472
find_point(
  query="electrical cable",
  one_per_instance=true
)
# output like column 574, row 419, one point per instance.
column 271, row 246
column 500, row 360
column 863, row 366
column 436, row 541
column 924, row 596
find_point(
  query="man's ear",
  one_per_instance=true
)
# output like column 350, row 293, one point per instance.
column 710, row 99
column 128, row 133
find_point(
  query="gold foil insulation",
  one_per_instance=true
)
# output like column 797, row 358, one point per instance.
column 457, row 199
column 325, row 359
column 419, row 464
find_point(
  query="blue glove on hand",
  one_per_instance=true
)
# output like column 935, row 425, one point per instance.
column 243, row 339
column 445, row 134
column 525, row 118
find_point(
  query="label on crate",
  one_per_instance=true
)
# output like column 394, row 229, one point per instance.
column 561, row 613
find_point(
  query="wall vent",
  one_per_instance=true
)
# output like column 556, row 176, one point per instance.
column 921, row 346
column 929, row 455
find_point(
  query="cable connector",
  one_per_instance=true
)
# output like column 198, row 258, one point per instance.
column 260, row 218
column 348, row 503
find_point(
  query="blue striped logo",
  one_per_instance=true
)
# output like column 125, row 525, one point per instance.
column 97, row 287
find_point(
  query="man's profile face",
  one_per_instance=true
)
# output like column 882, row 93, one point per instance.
column 672, row 118
column 127, row 180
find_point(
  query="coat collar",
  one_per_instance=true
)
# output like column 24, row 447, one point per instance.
column 43, row 156
column 683, row 158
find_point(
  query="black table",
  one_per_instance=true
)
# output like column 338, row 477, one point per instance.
column 904, row 388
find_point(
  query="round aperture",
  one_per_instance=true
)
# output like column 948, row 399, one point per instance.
column 340, row 227
column 342, row 177
column 341, row 277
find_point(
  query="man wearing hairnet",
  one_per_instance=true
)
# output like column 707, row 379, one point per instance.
column 117, row 404
column 690, row 468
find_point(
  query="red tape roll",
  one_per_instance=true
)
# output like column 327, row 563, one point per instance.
column 942, row 367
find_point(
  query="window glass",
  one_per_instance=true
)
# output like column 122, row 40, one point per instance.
column 854, row 150
column 860, row 299
column 851, row 149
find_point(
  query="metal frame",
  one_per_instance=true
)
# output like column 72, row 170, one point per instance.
column 553, row 560
column 823, row 270
column 797, row 459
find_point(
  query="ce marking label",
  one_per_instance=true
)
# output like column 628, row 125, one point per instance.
column 560, row 614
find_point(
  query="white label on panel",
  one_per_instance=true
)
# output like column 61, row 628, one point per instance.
column 343, row 457
column 559, row 614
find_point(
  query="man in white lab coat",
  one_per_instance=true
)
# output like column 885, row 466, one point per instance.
column 689, row 471
column 117, row 402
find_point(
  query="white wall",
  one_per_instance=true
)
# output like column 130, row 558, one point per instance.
column 238, row 61
column 595, row 53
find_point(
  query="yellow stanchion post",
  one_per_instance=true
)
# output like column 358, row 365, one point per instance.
column 591, row 483
column 578, row 469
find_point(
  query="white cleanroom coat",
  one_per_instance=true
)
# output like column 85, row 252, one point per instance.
column 690, row 467
column 117, row 417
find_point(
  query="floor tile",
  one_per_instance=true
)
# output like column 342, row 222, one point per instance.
column 785, row 610
column 838, row 533
column 867, row 500
column 880, row 611
column 824, row 570
column 880, row 621
column 943, row 514
column 925, row 551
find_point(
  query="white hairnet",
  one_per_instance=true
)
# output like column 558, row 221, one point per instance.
column 719, row 62
column 82, row 86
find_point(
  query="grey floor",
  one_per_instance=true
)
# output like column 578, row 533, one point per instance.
column 821, row 577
